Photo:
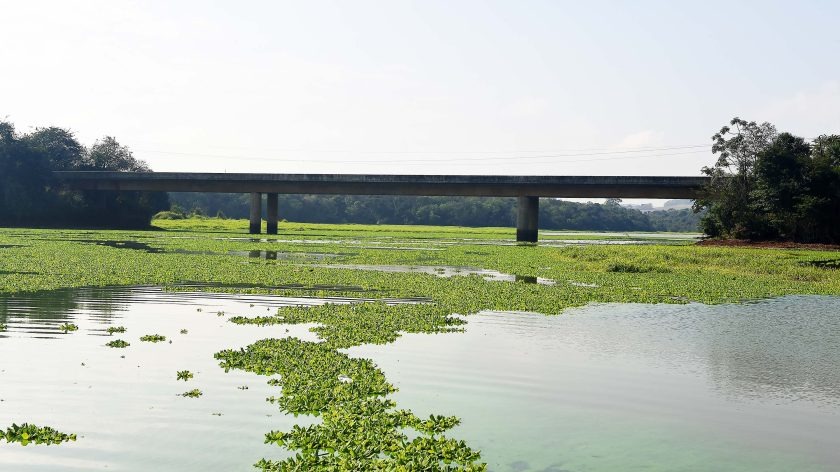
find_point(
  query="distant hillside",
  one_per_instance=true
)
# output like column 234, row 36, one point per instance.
column 447, row 211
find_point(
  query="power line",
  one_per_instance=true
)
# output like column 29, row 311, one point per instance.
column 552, row 152
column 554, row 157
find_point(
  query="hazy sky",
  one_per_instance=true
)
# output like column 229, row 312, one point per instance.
column 515, row 87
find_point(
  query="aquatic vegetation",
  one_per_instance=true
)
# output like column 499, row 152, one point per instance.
column 116, row 329
column 184, row 375
column 361, row 429
column 117, row 343
column 68, row 327
column 308, row 373
column 194, row 393
column 363, row 323
column 29, row 433
column 369, row 434
column 351, row 395
column 153, row 338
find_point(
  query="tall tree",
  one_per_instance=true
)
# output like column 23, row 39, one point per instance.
column 767, row 185
column 727, row 197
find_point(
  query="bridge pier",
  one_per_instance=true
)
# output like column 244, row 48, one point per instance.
column 256, row 213
column 271, row 213
column 527, row 219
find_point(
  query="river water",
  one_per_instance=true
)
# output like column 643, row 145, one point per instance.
column 599, row 388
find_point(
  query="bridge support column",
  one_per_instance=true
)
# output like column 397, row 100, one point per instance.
column 527, row 219
column 271, row 213
column 256, row 213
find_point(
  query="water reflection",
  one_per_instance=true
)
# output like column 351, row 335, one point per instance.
column 445, row 271
column 282, row 255
column 602, row 387
column 636, row 387
column 824, row 264
column 40, row 314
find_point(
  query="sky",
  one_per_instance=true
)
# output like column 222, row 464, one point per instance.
column 426, row 87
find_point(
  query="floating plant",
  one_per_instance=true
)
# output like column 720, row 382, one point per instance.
column 184, row 375
column 153, row 338
column 118, row 343
column 26, row 434
column 116, row 329
column 194, row 393
column 67, row 327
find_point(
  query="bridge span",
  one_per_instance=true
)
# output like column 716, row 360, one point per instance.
column 528, row 189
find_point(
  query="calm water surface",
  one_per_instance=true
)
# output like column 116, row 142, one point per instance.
column 601, row 388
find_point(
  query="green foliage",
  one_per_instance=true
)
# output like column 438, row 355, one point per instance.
column 30, row 195
column 117, row 343
column 168, row 215
column 368, row 434
column 2, row 327
column 360, row 430
column 184, row 375
column 351, row 395
column 345, row 325
column 26, row 434
column 767, row 185
column 68, row 327
column 194, row 393
column 116, row 329
column 153, row 338
column 461, row 211
column 311, row 373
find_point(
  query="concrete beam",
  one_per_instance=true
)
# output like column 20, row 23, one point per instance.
column 359, row 184
column 271, row 213
column 527, row 219
column 256, row 213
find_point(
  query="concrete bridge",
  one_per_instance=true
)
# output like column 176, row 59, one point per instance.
column 528, row 189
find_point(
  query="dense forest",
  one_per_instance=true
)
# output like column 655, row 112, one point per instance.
column 768, row 185
column 461, row 211
column 30, row 196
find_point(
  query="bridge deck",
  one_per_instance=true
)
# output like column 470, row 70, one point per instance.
column 373, row 184
column 528, row 189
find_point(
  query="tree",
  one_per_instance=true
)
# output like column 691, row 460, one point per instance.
column 769, row 185
column 727, row 197
column 59, row 146
column 780, row 187
column 29, row 194
column 108, row 154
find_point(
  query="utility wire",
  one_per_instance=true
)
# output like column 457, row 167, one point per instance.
column 554, row 157
column 553, row 152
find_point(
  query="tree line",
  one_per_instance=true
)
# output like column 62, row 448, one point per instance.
column 29, row 195
column 768, row 185
column 765, row 185
column 461, row 211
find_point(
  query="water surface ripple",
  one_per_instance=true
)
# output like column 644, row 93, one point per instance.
column 600, row 388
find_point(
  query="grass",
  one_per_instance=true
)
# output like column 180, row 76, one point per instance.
column 360, row 427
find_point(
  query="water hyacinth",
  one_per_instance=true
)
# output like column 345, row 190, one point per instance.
column 116, row 329
column 360, row 427
column 117, row 343
column 26, row 434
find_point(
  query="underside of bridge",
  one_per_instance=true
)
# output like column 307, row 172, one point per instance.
column 527, row 216
column 527, row 189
